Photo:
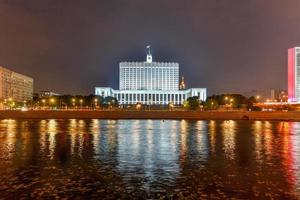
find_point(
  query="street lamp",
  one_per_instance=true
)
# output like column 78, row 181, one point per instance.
column 96, row 102
column 81, row 101
column 52, row 101
column 257, row 98
column 73, row 102
column 231, row 102
column 11, row 103
column 138, row 106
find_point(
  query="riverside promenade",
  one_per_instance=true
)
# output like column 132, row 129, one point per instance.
column 155, row 114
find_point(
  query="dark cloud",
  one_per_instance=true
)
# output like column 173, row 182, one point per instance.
column 71, row 46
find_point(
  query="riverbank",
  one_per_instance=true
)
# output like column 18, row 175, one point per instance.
column 125, row 114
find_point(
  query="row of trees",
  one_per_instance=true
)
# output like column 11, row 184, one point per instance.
column 225, row 101
column 69, row 101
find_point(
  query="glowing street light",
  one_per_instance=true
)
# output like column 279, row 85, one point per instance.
column 211, row 105
column 73, row 102
column 81, row 101
column 96, row 102
column 52, row 100
column 138, row 106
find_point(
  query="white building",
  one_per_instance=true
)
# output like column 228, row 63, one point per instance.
column 294, row 74
column 150, row 83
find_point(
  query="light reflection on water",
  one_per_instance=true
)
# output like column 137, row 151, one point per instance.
column 148, row 158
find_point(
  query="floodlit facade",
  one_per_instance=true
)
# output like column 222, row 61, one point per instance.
column 149, row 76
column 150, row 82
column 15, row 86
column 294, row 74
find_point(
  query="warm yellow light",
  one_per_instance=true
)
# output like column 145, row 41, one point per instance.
column 138, row 106
column 73, row 100
column 96, row 100
column 52, row 100
column 257, row 97
column 10, row 99
column 231, row 100
column 80, row 100
column 43, row 100
column 226, row 98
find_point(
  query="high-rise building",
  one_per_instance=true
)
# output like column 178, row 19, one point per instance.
column 15, row 86
column 294, row 74
column 150, row 82
column 148, row 75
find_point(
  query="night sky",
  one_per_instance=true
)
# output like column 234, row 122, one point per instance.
column 71, row 46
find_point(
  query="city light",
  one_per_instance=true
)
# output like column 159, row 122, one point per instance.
column 138, row 106
column 52, row 100
column 81, row 101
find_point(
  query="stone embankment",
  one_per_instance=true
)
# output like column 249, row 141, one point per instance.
column 125, row 114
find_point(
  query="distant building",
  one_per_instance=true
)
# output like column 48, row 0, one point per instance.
column 278, row 95
column 182, row 84
column 15, row 86
column 150, row 82
column 294, row 74
column 42, row 94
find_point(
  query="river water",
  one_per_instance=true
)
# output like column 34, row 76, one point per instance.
column 149, row 159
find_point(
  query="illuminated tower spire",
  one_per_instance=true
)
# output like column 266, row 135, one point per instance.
column 182, row 83
column 149, row 55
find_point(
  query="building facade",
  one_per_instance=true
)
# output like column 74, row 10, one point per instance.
column 148, row 76
column 46, row 93
column 15, row 86
column 150, row 83
column 294, row 74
